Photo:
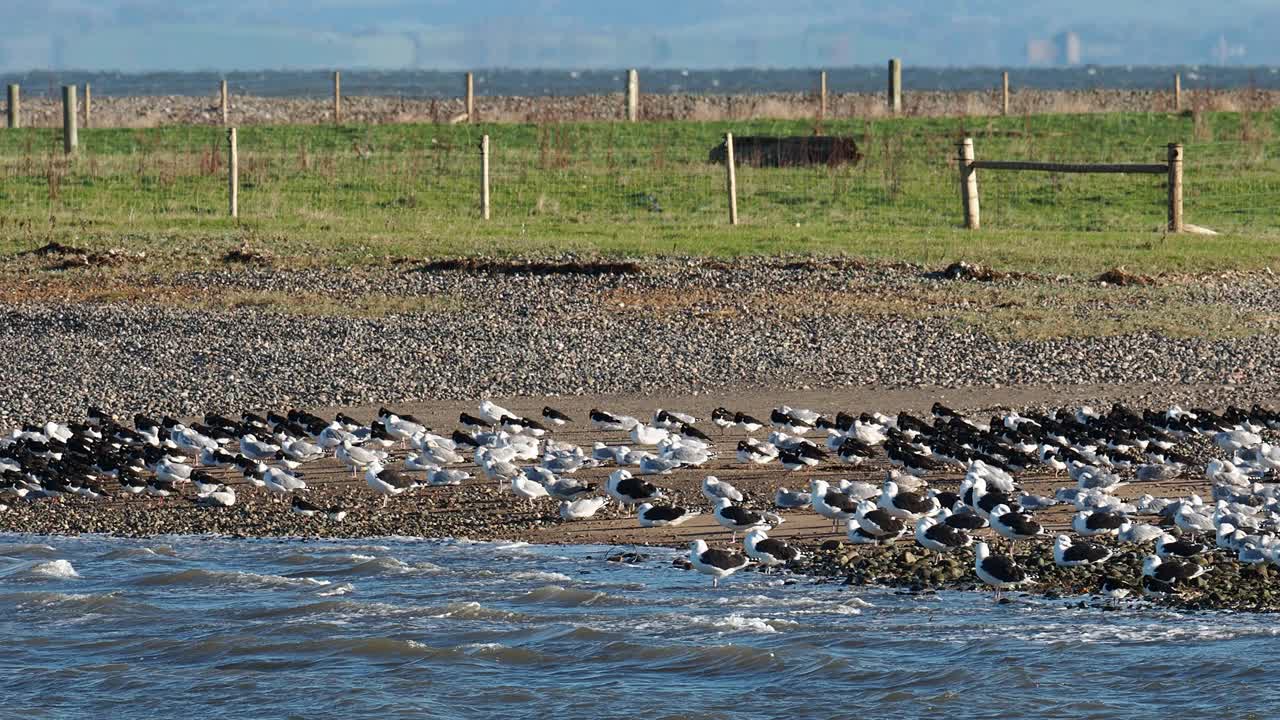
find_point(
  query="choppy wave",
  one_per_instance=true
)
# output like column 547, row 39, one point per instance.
column 200, row 577
column 60, row 569
column 561, row 596
column 291, row 628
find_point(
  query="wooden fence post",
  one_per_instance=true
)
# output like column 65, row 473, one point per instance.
column 15, row 107
column 233, row 174
column 337, row 97
column 968, row 185
column 70, row 139
column 1175, row 188
column 88, row 107
column 224, row 102
column 1177, row 92
column 471, row 98
column 1004, row 93
column 633, row 95
column 484, row 176
column 895, row 85
column 822, row 95
column 731, row 178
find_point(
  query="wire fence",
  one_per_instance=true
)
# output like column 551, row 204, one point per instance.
column 406, row 180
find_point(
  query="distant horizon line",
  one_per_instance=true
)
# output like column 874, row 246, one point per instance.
column 1126, row 67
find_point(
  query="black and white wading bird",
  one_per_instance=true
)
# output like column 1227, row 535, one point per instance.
column 719, row 564
column 767, row 551
column 998, row 571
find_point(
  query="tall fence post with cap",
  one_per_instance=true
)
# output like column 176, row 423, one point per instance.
column 731, row 178
column 968, row 184
column 88, row 107
column 233, row 174
column 15, row 107
column 1177, row 92
column 484, row 177
column 1004, row 93
column 70, row 138
column 1175, row 188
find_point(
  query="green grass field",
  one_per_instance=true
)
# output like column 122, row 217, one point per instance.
column 355, row 194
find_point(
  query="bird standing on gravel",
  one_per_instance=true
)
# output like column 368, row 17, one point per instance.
column 714, row 489
column 737, row 519
column 386, row 482
column 582, row 509
column 767, row 551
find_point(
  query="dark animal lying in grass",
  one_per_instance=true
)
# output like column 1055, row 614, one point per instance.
column 762, row 151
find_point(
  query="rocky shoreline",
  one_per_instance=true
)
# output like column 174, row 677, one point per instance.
column 246, row 110
column 1226, row 585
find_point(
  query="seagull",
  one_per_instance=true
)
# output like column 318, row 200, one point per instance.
column 528, row 489
column 1192, row 522
column 582, row 509
column 719, row 564
column 906, row 505
column 998, row 571
column 1164, row 576
column 1099, row 522
column 767, row 551
column 358, row 458
column 1138, row 534
column 878, row 523
column 940, row 538
column 831, row 504
column 494, row 413
column 1014, row 526
column 1169, row 547
column 629, row 490
column 387, row 482
column 1069, row 554
column 651, row 516
column 791, row 500
column 736, row 519
column 255, row 449
column 714, row 489
column 223, row 496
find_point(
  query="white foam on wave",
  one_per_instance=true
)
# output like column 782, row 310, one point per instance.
column 336, row 590
column 744, row 623
column 58, row 569
column 539, row 576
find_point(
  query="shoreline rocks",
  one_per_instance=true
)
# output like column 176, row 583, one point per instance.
column 246, row 110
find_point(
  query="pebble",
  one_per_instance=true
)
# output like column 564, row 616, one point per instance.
column 686, row 329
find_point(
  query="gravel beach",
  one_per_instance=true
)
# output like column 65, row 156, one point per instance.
column 562, row 327
column 688, row 334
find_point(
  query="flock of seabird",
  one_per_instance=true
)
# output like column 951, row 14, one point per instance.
column 1097, row 452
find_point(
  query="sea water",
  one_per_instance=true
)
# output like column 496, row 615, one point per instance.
column 203, row 627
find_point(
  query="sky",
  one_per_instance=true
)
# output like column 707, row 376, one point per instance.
column 156, row 35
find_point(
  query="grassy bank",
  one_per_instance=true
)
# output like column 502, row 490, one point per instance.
column 351, row 195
